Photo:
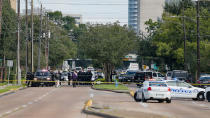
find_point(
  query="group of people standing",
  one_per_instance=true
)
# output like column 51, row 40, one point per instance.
column 80, row 78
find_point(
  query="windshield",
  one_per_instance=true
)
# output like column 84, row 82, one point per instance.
column 41, row 74
column 130, row 73
column 157, row 84
column 205, row 78
column 160, row 75
column 169, row 74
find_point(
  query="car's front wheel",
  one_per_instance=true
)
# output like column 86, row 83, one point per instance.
column 200, row 97
column 168, row 101
column 135, row 97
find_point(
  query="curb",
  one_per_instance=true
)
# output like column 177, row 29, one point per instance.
column 12, row 91
column 115, row 91
column 130, row 92
column 103, row 115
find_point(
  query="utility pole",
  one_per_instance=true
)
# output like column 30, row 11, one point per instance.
column 1, row 4
column 40, row 37
column 18, row 46
column 26, row 34
column 47, row 36
column 32, row 37
column 185, row 37
column 198, row 40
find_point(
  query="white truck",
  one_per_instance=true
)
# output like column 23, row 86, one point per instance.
column 133, row 66
column 207, row 94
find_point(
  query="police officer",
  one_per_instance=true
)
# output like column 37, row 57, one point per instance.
column 74, row 77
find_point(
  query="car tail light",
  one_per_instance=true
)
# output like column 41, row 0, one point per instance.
column 169, row 89
column 149, row 88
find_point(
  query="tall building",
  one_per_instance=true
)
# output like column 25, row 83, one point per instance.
column 13, row 4
column 133, row 14
column 140, row 11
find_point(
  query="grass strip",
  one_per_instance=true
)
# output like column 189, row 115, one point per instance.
column 110, row 86
column 10, row 88
column 2, row 84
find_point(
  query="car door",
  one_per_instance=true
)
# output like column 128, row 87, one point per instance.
column 186, row 90
column 174, row 89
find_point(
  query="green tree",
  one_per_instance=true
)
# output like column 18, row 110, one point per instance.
column 107, row 44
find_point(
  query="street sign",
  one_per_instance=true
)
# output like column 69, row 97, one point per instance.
column 10, row 63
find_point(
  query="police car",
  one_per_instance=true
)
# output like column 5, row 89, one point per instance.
column 207, row 94
column 181, row 89
column 153, row 90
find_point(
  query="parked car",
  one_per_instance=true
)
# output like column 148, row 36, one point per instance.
column 42, row 77
column 157, row 76
column 207, row 94
column 204, row 80
column 181, row 75
column 129, row 76
column 78, row 69
column 153, row 90
column 142, row 76
column 181, row 89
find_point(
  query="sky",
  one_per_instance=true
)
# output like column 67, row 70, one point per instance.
column 93, row 11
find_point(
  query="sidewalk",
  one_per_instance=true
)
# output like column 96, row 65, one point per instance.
column 117, row 105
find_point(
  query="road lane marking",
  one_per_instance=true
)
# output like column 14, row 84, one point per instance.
column 8, row 112
column 25, row 105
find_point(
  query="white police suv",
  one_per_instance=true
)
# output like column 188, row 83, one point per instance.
column 207, row 94
column 153, row 90
column 181, row 89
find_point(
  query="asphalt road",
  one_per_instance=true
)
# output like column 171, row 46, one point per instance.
column 45, row 102
column 68, row 102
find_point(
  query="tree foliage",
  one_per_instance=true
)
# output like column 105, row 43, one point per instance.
column 167, row 37
column 107, row 44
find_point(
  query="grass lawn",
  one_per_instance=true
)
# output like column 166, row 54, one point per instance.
column 9, row 88
column 110, row 87
column 2, row 84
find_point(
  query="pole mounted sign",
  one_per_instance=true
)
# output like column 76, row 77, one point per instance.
column 10, row 63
